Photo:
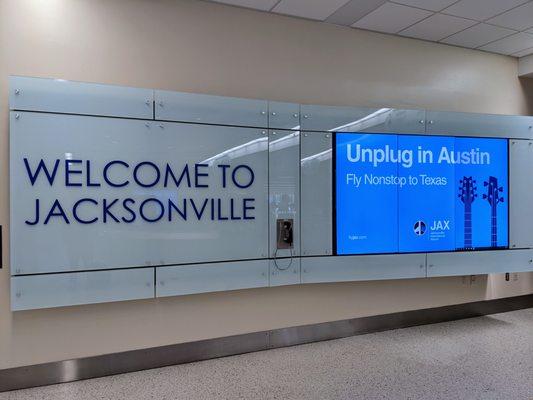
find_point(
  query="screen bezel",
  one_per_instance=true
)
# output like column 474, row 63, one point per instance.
column 334, row 196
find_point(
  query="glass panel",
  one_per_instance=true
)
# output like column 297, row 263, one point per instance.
column 284, row 187
column 363, row 268
column 283, row 115
column 317, row 190
column 284, row 271
column 359, row 119
column 215, row 277
column 129, row 193
column 467, row 124
column 58, row 95
column 479, row 262
column 58, row 290
column 521, row 193
column 208, row 109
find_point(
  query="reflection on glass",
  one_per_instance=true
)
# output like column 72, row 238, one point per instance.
column 318, row 157
column 284, row 142
column 254, row 146
column 374, row 119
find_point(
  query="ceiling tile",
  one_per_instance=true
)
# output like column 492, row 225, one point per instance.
column 524, row 53
column 481, row 10
column 264, row 5
column 391, row 18
column 518, row 18
column 313, row 9
column 511, row 44
column 437, row 27
column 478, row 35
column 432, row 5
column 353, row 11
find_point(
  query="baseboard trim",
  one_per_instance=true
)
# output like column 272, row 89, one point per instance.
column 136, row 360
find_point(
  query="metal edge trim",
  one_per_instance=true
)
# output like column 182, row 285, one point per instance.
column 156, row 357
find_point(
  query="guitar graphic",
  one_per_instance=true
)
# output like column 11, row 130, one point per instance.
column 467, row 194
column 493, row 197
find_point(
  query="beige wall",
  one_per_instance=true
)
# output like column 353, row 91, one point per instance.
column 209, row 48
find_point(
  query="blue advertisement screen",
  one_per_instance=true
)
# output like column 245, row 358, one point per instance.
column 413, row 193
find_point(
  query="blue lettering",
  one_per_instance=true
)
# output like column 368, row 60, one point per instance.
column 198, row 214
column 89, row 183
column 58, row 213
column 106, row 208
column 75, row 211
column 246, row 207
column 106, row 178
column 224, row 167
column 220, row 217
column 42, row 166
column 138, row 167
column 184, row 173
column 234, row 179
column 161, row 207
column 232, row 210
column 36, row 221
column 127, row 208
column 172, row 206
column 69, row 171
column 198, row 174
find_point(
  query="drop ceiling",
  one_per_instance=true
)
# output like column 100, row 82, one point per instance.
column 497, row 26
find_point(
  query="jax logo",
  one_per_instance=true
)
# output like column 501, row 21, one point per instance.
column 419, row 228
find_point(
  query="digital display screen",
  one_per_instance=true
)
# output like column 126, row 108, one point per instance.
column 413, row 193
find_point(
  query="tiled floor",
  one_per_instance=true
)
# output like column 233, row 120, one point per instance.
column 480, row 358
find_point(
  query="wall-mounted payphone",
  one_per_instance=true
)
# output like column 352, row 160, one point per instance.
column 284, row 233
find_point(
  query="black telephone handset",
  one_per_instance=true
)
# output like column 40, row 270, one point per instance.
column 285, row 233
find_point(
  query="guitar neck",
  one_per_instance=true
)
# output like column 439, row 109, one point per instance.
column 468, row 226
column 494, row 227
